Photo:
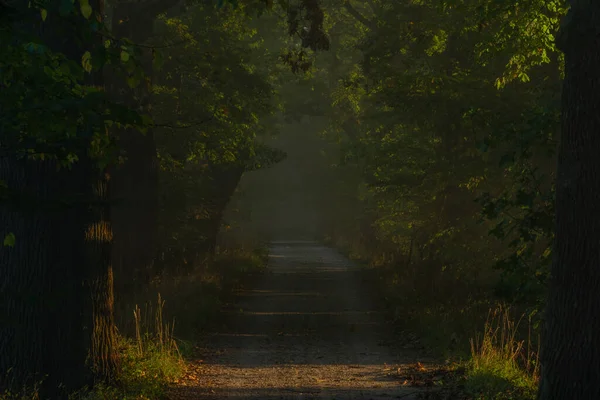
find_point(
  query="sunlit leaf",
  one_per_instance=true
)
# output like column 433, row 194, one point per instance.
column 86, row 9
column 9, row 240
column 86, row 61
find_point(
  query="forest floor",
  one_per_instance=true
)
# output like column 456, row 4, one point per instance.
column 310, row 328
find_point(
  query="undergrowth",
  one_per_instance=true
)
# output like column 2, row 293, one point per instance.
column 502, row 366
column 151, row 356
column 500, row 361
column 150, row 361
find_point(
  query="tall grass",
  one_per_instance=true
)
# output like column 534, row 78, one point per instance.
column 150, row 360
column 503, row 366
column 446, row 309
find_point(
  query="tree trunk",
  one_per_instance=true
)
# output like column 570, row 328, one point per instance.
column 43, row 296
column 571, row 338
column 41, row 276
column 226, row 180
column 134, row 184
column 103, row 349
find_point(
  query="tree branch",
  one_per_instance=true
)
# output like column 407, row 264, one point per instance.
column 358, row 16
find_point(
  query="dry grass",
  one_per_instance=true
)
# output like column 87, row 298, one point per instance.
column 502, row 366
column 150, row 360
column 446, row 312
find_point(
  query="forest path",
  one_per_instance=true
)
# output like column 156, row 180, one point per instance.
column 308, row 330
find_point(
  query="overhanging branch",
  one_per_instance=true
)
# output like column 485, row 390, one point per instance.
column 358, row 16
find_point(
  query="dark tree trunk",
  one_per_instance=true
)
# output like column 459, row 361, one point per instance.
column 104, row 357
column 571, row 337
column 44, row 306
column 56, row 283
column 103, row 350
column 41, row 276
column 134, row 184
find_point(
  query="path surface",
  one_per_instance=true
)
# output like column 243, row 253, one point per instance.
column 307, row 330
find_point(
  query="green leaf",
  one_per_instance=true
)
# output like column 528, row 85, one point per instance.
column 9, row 240
column 43, row 13
column 86, row 61
column 124, row 56
column 133, row 81
column 86, row 9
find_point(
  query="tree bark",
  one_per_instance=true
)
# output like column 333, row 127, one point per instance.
column 41, row 291
column 104, row 356
column 226, row 180
column 571, row 338
column 134, row 184
column 44, row 304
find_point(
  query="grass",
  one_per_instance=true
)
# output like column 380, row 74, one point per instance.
column 152, row 357
column 498, row 362
column 150, row 361
column 502, row 366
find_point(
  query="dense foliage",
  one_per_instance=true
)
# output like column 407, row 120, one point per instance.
column 450, row 111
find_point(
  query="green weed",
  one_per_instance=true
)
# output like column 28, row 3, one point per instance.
column 149, row 361
column 502, row 366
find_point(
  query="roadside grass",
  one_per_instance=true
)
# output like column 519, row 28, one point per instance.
column 460, row 323
column 503, row 366
column 498, row 355
column 150, row 361
column 152, row 354
column 30, row 393
column 499, row 359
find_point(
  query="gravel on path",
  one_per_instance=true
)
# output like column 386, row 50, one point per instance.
column 309, row 329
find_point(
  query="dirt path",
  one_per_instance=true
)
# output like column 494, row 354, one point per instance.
column 308, row 330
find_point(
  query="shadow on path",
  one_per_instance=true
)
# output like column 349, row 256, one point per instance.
column 307, row 330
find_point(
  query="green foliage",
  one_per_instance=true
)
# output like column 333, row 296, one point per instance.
column 213, row 106
column 50, row 111
column 450, row 111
